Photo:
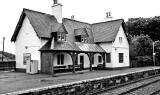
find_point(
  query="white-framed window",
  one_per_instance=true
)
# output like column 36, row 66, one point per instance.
column 120, row 40
column 61, row 36
column 121, row 58
column 60, row 59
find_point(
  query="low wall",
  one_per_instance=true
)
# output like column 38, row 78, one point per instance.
column 86, row 87
column 7, row 65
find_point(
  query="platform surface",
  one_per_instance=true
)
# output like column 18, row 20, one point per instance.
column 14, row 81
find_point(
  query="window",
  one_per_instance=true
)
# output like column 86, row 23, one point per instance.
column 60, row 59
column 83, row 39
column 108, row 57
column 120, row 57
column 61, row 36
column 81, row 59
column 99, row 59
column 120, row 39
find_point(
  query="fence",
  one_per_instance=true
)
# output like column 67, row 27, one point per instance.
column 8, row 65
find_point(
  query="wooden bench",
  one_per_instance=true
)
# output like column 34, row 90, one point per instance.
column 59, row 67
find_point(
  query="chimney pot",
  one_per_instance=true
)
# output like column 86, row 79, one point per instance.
column 55, row 1
column 72, row 17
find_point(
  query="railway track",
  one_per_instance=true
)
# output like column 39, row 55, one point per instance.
column 147, row 86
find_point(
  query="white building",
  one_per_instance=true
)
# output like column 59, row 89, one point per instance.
column 65, row 44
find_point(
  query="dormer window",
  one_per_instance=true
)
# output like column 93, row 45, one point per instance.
column 61, row 37
column 81, row 35
column 58, row 32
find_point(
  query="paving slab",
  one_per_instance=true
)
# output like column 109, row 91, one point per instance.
column 15, row 81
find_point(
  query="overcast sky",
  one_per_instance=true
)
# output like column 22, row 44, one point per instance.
column 84, row 10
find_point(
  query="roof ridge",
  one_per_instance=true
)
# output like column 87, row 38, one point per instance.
column 77, row 21
column 94, row 23
column 25, row 9
column 107, row 21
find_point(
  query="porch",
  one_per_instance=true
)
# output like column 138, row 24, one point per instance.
column 72, row 57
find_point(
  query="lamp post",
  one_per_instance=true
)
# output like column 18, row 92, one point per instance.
column 153, row 55
column 3, row 48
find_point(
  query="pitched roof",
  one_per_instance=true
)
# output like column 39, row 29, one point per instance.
column 44, row 24
column 58, row 28
column 41, row 23
column 72, row 25
column 98, row 32
column 106, row 31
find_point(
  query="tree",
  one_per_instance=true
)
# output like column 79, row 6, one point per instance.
column 142, row 45
column 146, row 26
column 141, row 50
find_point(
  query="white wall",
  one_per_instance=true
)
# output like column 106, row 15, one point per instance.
column 68, row 60
column 120, row 48
column 96, row 60
column 115, row 57
column 115, row 48
column 27, row 37
column 108, row 48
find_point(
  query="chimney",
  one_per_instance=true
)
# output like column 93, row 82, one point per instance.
column 108, row 16
column 57, row 10
column 72, row 17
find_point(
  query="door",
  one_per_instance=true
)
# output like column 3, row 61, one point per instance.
column 82, row 62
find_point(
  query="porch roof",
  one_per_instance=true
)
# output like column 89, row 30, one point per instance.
column 89, row 47
column 72, row 46
column 60, row 46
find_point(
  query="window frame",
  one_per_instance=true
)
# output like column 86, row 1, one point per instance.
column 84, row 38
column 60, row 59
column 121, row 57
column 61, row 36
column 120, row 39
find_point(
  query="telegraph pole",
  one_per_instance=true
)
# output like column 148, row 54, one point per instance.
column 3, row 48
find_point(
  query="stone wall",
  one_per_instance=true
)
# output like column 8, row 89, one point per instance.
column 90, row 86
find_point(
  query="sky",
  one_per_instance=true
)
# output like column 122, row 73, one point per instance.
column 90, row 11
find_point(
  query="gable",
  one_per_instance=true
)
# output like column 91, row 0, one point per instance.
column 41, row 23
column 106, row 31
column 124, row 42
column 27, row 36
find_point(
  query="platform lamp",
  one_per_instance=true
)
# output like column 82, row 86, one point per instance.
column 153, row 55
